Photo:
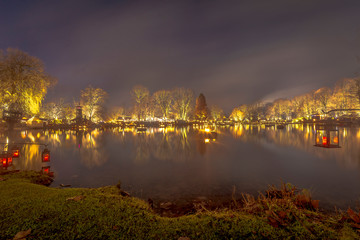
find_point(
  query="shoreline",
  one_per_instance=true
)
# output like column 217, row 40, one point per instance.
column 108, row 212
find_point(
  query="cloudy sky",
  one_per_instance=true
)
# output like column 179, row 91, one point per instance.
column 234, row 52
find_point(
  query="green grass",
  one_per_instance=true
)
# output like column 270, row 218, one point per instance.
column 104, row 214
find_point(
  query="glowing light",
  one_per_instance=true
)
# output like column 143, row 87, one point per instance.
column 32, row 138
column 23, row 134
column 207, row 140
column 16, row 153
column 46, row 170
column 324, row 140
column 336, row 139
column 207, row 130
column 46, row 155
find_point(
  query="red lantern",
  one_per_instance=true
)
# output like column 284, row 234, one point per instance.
column 6, row 160
column 46, row 170
column 15, row 153
column 324, row 141
column 45, row 155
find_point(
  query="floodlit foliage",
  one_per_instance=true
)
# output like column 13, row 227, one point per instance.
column 23, row 81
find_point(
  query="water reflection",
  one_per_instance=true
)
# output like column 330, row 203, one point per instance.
column 181, row 144
column 195, row 160
column 302, row 137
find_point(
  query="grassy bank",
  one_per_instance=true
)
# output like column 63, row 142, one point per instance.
column 103, row 213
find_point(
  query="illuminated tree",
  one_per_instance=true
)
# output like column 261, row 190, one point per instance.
column 342, row 97
column 116, row 113
column 55, row 110
column 309, row 104
column 201, row 109
column 297, row 106
column 356, row 90
column 69, row 112
column 323, row 96
column 216, row 113
column 183, row 99
column 140, row 95
column 237, row 114
column 23, row 81
column 93, row 99
column 163, row 101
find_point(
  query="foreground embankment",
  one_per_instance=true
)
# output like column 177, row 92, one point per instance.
column 30, row 209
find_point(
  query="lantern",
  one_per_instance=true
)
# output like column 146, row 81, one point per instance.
column 6, row 160
column 15, row 152
column 324, row 140
column 327, row 136
column 46, row 170
column 45, row 156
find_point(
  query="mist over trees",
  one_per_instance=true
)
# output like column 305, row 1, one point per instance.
column 344, row 95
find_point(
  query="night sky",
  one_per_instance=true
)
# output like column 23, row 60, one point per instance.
column 235, row 52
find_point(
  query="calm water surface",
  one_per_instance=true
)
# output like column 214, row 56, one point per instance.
column 176, row 163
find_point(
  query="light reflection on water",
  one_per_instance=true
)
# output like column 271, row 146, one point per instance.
column 188, row 162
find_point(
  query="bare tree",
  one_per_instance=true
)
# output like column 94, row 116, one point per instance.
column 216, row 112
column 183, row 100
column 140, row 95
column 55, row 110
column 323, row 96
column 237, row 114
column 163, row 100
column 93, row 100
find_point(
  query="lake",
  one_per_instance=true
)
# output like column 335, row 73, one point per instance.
column 172, row 163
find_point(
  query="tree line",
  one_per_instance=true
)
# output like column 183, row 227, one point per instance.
column 344, row 95
column 24, row 84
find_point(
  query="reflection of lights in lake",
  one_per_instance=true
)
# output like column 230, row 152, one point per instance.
column 358, row 134
column 31, row 137
column 38, row 135
column 23, row 134
column 238, row 130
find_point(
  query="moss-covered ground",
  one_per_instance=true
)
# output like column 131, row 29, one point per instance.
column 103, row 213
